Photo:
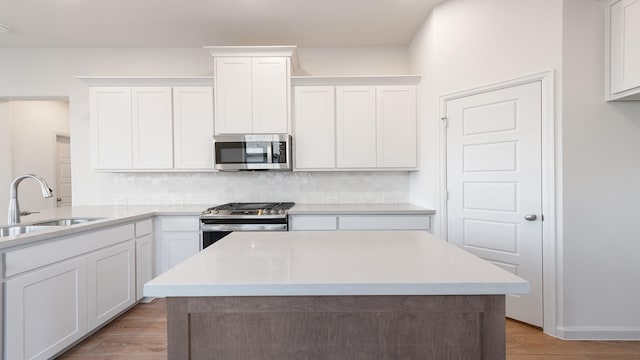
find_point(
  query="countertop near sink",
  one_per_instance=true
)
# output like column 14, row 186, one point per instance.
column 108, row 215
column 360, row 209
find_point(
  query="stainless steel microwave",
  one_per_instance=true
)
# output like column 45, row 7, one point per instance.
column 252, row 152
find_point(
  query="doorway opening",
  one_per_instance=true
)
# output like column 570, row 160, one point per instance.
column 33, row 133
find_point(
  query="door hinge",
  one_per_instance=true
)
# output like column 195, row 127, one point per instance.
column 446, row 195
column 445, row 121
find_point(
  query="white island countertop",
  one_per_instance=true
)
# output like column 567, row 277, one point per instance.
column 333, row 263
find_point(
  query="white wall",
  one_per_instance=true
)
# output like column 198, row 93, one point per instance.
column 470, row 43
column 52, row 72
column 601, row 149
column 354, row 61
column 467, row 43
column 33, row 147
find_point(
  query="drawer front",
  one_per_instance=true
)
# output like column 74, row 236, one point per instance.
column 384, row 222
column 312, row 222
column 144, row 227
column 180, row 223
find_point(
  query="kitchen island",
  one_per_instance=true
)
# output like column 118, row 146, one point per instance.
column 335, row 295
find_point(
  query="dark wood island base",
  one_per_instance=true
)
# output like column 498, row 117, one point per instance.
column 433, row 327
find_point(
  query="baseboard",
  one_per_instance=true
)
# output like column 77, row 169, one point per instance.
column 598, row 333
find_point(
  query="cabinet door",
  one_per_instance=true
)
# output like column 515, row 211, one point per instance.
column 144, row 263
column 233, row 92
column 356, row 126
column 314, row 127
column 193, row 127
column 152, row 128
column 396, row 126
column 270, row 89
column 111, row 282
column 110, row 117
column 178, row 246
column 625, row 45
column 46, row 310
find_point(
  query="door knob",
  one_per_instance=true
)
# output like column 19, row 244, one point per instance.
column 530, row 217
column 58, row 199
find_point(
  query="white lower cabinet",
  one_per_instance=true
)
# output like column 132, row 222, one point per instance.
column 179, row 238
column 359, row 222
column 46, row 310
column 57, row 291
column 144, row 255
column 111, row 282
column 144, row 263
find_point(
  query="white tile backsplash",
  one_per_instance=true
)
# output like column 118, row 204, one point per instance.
column 221, row 187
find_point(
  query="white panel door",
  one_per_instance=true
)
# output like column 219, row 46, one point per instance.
column 494, row 184
column 111, row 282
column 50, row 305
column 625, row 45
column 270, row 95
column 110, row 116
column 396, row 126
column 193, row 127
column 62, row 191
column 233, row 92
column 152, row 128
column 356, row 126
column 314, row 127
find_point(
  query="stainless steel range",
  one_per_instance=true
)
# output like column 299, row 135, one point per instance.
column 219, row 221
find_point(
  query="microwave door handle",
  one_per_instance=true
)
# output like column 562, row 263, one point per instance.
column 270, row 152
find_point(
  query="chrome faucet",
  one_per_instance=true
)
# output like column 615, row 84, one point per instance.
column 14, row 207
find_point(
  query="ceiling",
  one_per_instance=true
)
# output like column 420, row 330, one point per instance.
column 195, row 23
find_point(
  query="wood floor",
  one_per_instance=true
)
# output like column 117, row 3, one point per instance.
column 141, row 334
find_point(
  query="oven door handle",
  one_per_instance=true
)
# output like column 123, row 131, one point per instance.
column 243, row 227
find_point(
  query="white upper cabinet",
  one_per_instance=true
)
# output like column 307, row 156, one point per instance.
column 252, row 88
column 251, row 95
column 110, row 117
column 233, row 95
column 356, row 126
column 193, row 127
column 623, row 50
column 151, row 130
column 396, row 126
column 371, row 125
column 314, row 128
column 270, row 80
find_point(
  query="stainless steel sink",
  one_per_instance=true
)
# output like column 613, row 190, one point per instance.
column 22, row 229
column 65, row 222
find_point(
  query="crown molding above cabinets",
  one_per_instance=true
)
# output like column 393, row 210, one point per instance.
column 622, row 50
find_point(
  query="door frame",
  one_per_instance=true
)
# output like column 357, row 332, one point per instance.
column 551, row 263
column 54, row 162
